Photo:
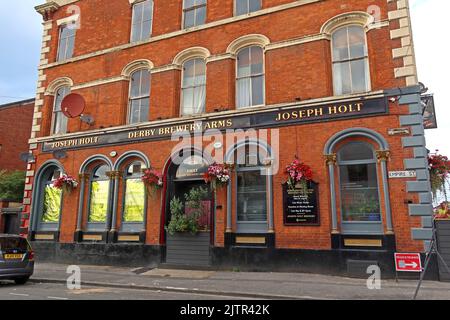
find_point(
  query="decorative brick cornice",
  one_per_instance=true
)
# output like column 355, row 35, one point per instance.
column 47, row 10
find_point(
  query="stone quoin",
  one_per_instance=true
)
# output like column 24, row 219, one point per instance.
column 324, row 81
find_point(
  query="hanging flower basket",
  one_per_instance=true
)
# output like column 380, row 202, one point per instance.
column 217, row 175
column 439, row 167
column 66, row 183
column 153, row 180
column 299, row 174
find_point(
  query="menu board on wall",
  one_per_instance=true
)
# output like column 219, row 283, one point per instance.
column 301, row 209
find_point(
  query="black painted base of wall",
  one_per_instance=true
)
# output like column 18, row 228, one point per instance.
column 351, row 263
column 128, row 255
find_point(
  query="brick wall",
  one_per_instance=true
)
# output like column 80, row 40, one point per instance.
column 15, row 128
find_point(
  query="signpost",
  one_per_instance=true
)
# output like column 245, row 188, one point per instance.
column 402, row 174
column 408, row 262
column 429, row 112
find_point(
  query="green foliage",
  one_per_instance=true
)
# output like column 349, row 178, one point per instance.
column 194, row 199
column 181, row 222
column 437, row 184
column 12, row 185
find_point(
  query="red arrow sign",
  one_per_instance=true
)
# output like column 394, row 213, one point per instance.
column 409, row 262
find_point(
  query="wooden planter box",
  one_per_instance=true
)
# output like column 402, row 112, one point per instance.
column 188, row 249
column 443, row 241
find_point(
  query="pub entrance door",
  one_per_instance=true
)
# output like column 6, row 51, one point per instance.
column 185, row 183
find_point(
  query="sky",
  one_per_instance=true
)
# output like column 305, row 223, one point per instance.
column 21, row 31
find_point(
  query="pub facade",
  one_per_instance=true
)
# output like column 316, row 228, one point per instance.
column 173, row 88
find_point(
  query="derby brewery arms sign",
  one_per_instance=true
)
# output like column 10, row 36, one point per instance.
column 293, row 115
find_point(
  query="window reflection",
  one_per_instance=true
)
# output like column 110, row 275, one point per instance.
column 52, row 199
column 359, row 183
column 134, row 204
column 350, row 60
column 250, row 77
column 99, row 196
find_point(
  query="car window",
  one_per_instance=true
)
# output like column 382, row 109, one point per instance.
column 13, row 243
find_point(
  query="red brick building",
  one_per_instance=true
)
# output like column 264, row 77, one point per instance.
column 331, row 82
column 15, row 123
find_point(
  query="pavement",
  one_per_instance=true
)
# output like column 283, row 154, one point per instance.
column 194, row 284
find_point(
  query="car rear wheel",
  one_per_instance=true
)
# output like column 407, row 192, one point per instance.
column 21, row 280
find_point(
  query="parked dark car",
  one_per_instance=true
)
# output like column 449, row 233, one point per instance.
column 16, row 259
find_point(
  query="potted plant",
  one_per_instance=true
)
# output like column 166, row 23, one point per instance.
column 189, row 218
column 217, row 175
column 299, row 175
column 439, row 167
column 187, row 244
column 153, row 180
column 66, row 183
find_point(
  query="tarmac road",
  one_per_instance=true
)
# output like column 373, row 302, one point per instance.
column 57, row 291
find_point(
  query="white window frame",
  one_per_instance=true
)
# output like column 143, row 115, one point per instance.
column 54, row 112
column 193, row 8
column 251, row 76
column 131, row 99
column 141, row 3
column 65, row 57
column 365, row 58
column 188, row 87
column 248, row 3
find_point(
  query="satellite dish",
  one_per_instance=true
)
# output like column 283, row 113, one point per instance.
column 59, row 154
column 73, row 105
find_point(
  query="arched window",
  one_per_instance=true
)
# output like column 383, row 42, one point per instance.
column 51, row 200
column 359, row 192
column 139, row 104
column 99, row 196
column 193, row 89
column 250, row 77
column 134, row 197
column 350, row 60
column 59, row 122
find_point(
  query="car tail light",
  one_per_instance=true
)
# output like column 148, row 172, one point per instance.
column 31, row 255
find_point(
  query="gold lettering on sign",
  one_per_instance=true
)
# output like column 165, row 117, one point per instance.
column 307, row 113
column 299, row 114
column 191, row 127
column 74, row 142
